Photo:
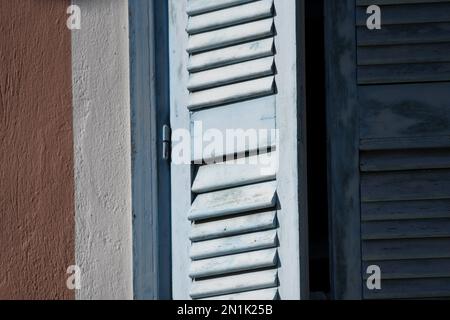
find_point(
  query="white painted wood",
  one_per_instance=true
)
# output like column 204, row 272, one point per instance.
column 233, row 201
column 230, row 36
column 230, row 55
column 256, row 114
column 230, row 16
column 233, row 245
column 231, row 74
column 232, row 93
column 261, row 295
column 234, row 284
column 180, row 174
column 235, row 173
column 291, row 175
column 233, row 226
column 233, row 263
column 201, row 6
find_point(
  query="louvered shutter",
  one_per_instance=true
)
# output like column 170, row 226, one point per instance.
column 402, row 75
column 237, row 230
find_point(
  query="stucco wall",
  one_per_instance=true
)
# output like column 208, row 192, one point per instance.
column 36, row 155
column 102, row 150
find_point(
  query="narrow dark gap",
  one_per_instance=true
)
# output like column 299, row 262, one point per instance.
column 161, row 30
column 317, row 151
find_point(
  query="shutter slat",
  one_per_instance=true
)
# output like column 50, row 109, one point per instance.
column 237, row 118
column 404, row 73
column 230, row 55
column 410, row 289
column 262, row 295
column 231, row 35
column 405, row 185
column 233, row 263
column 231, row 16
column 412, row 269
column 413, row 53
column 399, row 160
column 403, row 143
column 233, row 226
column 431, row 228
column 235, row 173
column 233, row 201
column 409, row 14
column 234, row 284
column 195, row 7
column 234, row 245
column 231, row 74
column 404, row 34
column 406, row 249
column 232, row 93
column 405, row 210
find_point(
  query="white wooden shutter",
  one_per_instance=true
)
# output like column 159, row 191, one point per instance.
column 237, row 230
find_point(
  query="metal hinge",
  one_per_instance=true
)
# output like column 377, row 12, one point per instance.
column 166, row 137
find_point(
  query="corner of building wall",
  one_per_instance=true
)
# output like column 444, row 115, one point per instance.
column 102, row 146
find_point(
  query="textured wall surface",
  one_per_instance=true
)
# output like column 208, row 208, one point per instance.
column 102, row 150
column 36, row 155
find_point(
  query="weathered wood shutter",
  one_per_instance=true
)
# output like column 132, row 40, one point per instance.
column 402, row 97
column 236, row 229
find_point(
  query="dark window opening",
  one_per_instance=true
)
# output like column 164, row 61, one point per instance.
column 317, row 151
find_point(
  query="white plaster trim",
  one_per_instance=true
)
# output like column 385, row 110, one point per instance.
column 101, row 119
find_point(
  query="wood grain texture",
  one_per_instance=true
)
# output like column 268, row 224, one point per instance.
column 230, row 55
column 343, row 149
column 233, row 201
column 231, row 16
column 233, row 245
column 230, row 36
column 234, row 284
column 233, row 263
column 233, row 226
column 236, row 173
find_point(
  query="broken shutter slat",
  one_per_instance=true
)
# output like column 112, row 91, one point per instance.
column 233, row 173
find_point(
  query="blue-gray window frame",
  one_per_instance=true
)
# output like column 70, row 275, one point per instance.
column 150, row 173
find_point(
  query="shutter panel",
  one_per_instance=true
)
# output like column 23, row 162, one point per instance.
column 235, row 223
column 403, row 95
